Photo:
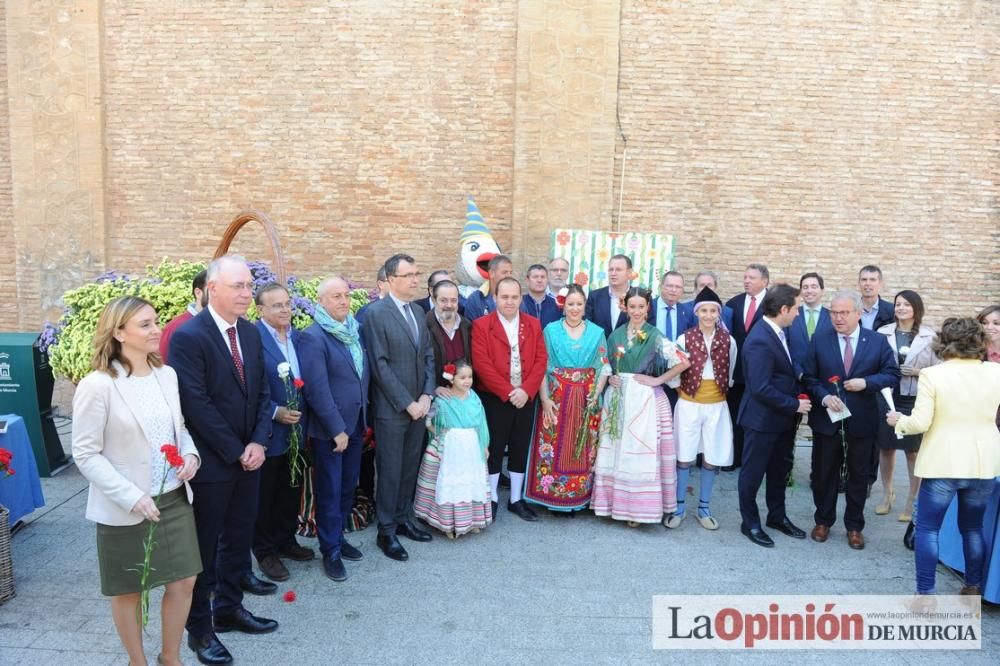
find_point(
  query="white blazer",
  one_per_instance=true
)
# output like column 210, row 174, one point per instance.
column 112, row 449
column 921, row 354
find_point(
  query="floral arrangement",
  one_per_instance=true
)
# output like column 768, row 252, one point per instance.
column 167, row 286
column 561, row 298
column 449, row 372
column 5, row 457
column 293, row 388
column 171, row 458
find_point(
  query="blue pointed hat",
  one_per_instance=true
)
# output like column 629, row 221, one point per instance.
column 474, row 223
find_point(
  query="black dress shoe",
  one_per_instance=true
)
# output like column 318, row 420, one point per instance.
column 253, row 585
column 908, row 537
column 243, row 620
column 787, row 527
column 209, row 650
column 411, row 531
column 390, row 546
column 298, row 553
column 334, row 568
column 349, row 552
column 758, row 536
column 521, row 509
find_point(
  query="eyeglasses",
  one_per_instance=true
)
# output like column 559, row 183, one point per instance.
column 277, row 307
column 841, row 313
column 240, row 286
column 409, row 276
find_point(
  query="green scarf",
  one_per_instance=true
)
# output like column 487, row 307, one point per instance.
column 348, row 333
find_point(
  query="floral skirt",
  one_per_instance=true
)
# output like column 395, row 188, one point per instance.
column 635, row 475
column 561, row 461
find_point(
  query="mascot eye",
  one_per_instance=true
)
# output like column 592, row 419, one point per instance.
column 473, row 246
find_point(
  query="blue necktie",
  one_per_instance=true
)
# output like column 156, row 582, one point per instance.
column 670, row 323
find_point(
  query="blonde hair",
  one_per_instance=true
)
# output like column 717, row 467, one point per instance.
column 115, row 315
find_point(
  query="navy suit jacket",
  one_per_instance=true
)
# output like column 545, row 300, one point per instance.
column 739, row 331
column 279, row 396
column 770, row 401
column 548, row 313
column 874, row 361
column 337, row 396
column 222, row 414
column 598, row 310
column 886, row 314
column 684, row 314
column 798, row 336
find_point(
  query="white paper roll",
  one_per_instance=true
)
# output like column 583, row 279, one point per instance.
column 887, row 394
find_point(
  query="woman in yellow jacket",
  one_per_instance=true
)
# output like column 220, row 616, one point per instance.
column 960, row 452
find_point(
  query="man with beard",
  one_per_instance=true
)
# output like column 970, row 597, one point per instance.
column 450, row 331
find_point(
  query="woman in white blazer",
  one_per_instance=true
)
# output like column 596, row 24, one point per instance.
column 123, row 413
column 960, row 452
column 911, row 341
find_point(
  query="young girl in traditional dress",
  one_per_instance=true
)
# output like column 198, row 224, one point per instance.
column 701, row 418
column 453, row 489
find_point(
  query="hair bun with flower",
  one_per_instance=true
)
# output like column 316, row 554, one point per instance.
column 561, row 297
column 449, row 372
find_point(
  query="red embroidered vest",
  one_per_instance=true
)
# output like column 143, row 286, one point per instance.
column 695, row 343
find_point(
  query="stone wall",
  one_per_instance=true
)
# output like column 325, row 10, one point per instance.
column 818, row 136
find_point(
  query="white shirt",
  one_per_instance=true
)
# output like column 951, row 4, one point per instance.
column 853, row 338
column 757, row 303
column 781, row 335
column 511, row 328
column 454, row 329
column 225, row 326
column 668, row 325
column 615, row 310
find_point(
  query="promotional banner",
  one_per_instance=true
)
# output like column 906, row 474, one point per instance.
column 588, row 252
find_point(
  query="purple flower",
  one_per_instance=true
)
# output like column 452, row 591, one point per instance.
column 50, row 332
column 110, row 276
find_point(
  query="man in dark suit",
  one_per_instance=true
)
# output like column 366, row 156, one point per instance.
column 427, row 302
column 451, row 333
column 402, row 366
column 278, row 508
column 604, row 304
column 509, row 359
column 876, row 312
column 747, row 311
column 219, row 361
column 537, row 302
column 768, row 416
column 812, row 317
column 845, row 366
column 670, row 316
column 709, row 279
column 336, row 387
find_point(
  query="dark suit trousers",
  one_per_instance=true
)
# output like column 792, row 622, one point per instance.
column 765, row 455
column 277, row 510
column 733, row 398
column 224, row 514
column 827, row 458
column 336, row 477
column 399, row 444
column 510, row 430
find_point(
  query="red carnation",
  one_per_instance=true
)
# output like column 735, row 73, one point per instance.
column 834, row 379
column 803, row 396
column 173, row 456
column 289, row 596
column 5, row 456
column 298, row 383
column 560, row 302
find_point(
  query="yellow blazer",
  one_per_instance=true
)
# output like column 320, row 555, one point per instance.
column 956, row 408
column 110, row 447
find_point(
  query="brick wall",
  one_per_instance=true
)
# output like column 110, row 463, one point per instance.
column 359, row 127
column 818, row 136
column 9, row 307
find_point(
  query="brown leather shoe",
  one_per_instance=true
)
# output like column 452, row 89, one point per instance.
column 855, row 540
column 820, row 533
column 273, row 568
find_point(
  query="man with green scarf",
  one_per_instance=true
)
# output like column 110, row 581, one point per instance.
column 336, row 377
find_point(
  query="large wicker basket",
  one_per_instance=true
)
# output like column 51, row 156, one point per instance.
column 6, row 560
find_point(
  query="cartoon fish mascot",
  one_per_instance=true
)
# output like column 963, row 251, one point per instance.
column 476, row 248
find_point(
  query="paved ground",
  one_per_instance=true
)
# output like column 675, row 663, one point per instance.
column 561, row 591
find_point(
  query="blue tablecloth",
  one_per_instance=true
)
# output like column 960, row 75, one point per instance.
column 950, row 544
column 22, row 492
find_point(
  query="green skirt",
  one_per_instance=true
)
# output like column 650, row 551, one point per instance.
column 120, row 548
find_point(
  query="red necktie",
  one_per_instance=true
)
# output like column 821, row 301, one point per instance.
column 751, row 311
column 235, row 350
column 848, row 355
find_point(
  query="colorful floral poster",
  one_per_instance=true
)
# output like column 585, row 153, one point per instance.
column 588, row 252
